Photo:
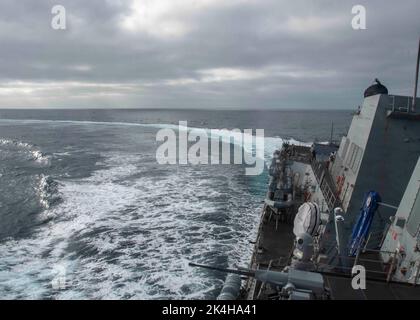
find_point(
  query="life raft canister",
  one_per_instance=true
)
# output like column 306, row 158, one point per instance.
column 307, row 219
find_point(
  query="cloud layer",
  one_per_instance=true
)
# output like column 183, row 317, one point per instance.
column 204, row 54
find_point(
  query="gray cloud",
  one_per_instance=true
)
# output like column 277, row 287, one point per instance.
column 204, row 54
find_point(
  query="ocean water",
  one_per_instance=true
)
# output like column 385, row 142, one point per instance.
column 87, row 212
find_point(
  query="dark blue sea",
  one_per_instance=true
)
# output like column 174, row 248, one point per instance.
column 86, row 212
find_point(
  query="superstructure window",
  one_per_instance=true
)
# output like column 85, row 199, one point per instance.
column 343, row 151
column 350, row 154
column 359, row 158
column 354, row 156
column 353, row 160
column 413, row 222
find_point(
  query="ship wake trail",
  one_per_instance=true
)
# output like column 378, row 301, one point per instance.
column 118, row 237
column 271, row 143
column 130, row 228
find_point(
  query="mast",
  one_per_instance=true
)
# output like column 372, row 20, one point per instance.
column 332, row 132
column 417, row 79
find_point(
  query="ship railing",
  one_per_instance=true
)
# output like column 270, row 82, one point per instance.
column 329, row 195
column 251, row 285
column 375, row 268
column 371, row 259
column 376, row 237
column 259, row 233
column 401, row 108
column 372, row 266
column 324, row 180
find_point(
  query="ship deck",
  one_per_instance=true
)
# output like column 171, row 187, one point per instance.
column 275, row 251
column 274, row 245
column 341, row 289
column 272, row 251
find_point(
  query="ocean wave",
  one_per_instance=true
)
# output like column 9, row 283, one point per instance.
column 47, row 190
column 119, row 237
column 126, row 233
column 34, row 152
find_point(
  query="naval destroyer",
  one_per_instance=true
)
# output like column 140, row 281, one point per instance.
column 335, row 212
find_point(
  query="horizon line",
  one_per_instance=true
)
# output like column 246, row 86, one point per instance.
column 176, row 108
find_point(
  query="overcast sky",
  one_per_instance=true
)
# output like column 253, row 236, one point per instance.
column 204, row 53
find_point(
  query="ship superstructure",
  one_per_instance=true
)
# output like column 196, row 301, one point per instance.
column 379, row 153
column 314, row 203
column 401, row 246
column 332, row 208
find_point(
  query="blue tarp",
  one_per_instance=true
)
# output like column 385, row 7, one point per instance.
column 362, row 226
